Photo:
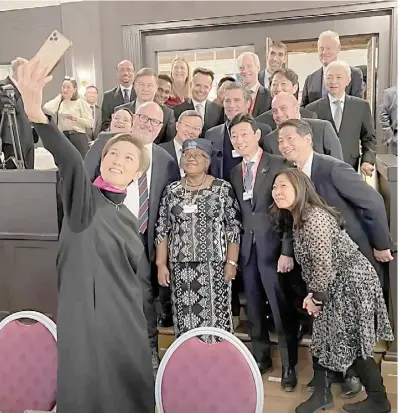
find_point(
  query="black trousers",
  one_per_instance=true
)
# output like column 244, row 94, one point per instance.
column 79, row 141
column 262, row 282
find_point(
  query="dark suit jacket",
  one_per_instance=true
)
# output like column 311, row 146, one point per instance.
column 164, row 171
column 216, row 136
column 361, row 205
column 312, row 90
column 324, row 139
column 93, row 133
column 268, row 119
column 171, row 150
column 261, row 78
column 356, row 128
column 26, row 135
column 255, row 215
column 168, row 131
column 263, row 102
column 214, row 114
column 112, row 99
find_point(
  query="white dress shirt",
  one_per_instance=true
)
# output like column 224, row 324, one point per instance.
column 308, row 165
column 333, row 106
column 202, row 109
column 267, row 77
column 132, row 200
column 123, row 88
column 178, row 149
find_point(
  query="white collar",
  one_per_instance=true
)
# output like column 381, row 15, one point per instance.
column 195, row 103
column 254, row 158
column 123, row 88
column 177, row 145
column 308, row 165
column 332, row 99
column 255, row 87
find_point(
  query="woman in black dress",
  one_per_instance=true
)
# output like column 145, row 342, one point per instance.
column 103, row 349
column 345, row 295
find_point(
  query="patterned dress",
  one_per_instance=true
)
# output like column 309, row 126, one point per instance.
column 354, row 316
column 197, row 247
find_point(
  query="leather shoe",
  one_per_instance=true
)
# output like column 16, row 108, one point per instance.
column 265, row 366
column 289, row 379
column 350, row 387
column 166, row 321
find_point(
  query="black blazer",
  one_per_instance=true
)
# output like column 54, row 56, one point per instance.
column 216, row 136
column 255, row 215
column 168, row 131
column 356, row 128
column 93, row 133
column 263, row 102
column 214, row 114
column 112, row 99
column 268, row 119
column 312, row 90
column 26, row 133
column 361, row 205
column 324, row 139
column 164, row 171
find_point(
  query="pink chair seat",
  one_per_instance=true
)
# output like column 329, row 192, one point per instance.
column 208, row 378
column 28, row 368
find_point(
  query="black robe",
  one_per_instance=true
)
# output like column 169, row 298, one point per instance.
column 103, row 349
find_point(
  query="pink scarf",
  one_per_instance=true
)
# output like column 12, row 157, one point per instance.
column 101, row 184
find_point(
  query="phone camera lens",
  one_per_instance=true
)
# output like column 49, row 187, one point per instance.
column 51, row 38
column 55, row 38
column 54, row 34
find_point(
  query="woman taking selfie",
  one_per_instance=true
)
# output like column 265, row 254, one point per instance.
column 104, row 358
column 198, row 235
column 73, row 115
column 345, row 295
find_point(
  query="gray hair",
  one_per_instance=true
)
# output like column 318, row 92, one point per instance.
column 341, row 64
column 247, row 96
column 302, row 127
column 190, row 113
column 331, row 34
column 251, row 54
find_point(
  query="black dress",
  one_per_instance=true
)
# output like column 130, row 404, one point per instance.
column 103, row 349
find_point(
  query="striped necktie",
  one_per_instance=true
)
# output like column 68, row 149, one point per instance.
column 144, row 203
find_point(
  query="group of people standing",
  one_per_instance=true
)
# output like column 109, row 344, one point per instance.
column 194, row 203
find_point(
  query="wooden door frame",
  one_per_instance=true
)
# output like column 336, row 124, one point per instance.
column 133, row 34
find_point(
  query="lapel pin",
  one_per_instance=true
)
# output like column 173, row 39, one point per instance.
column 263, row 171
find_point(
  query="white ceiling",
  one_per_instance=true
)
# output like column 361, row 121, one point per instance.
column 28, row 4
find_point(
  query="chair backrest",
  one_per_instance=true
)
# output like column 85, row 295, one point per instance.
column 28, row 363
column 197, row 377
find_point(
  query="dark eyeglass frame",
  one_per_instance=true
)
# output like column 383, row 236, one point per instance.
column 145, row 119
column 196, row 156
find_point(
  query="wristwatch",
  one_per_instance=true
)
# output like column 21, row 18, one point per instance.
column 235, row 264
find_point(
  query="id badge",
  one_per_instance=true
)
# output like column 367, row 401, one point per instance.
column 247, row 195
column 235, row 154
column 190, row 209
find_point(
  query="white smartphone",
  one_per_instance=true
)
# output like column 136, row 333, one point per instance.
column 53, row 50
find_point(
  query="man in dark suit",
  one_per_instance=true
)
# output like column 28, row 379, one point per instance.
column 275, row 59
column 262, row 254
column 284, row 80
column 145, row 86
column 237, row 100
column 188, row 126
column 388, row 117
column 27, row 138
column 362, row 207
column 350, row 117
column 147, row 190
column 325, row 140
column 328, row 50
column 249, row 67
column 91, row 97
column 119, row 95
column 213, row 114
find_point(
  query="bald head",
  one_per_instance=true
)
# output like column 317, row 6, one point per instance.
column 285, row 106
column 148, row 122
column 125, row 72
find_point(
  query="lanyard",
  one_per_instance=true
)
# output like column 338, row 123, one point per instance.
column 254, row 168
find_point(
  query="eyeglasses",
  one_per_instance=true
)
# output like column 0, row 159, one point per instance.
column 145, row 85
column 195, row 156
column 146, row 119
column 69, row 78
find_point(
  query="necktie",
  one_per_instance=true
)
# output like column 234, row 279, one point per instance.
column 249, row 177
column 126, row 96
column 144, row 203
column 338, row 115
column 200, row 109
